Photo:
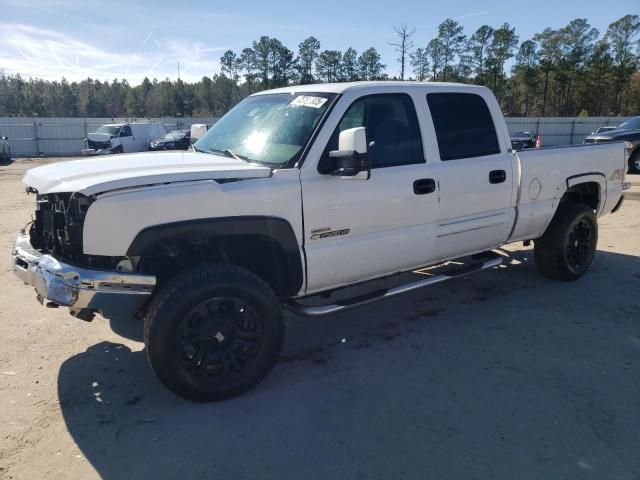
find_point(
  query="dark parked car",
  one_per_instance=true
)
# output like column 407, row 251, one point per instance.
column 522, row 140
column 175, row 140
column 628, row 131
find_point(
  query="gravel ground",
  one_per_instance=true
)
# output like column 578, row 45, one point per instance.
column 504, row 375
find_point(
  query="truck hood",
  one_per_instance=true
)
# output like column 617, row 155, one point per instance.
column 102, row 174
column 98, row 137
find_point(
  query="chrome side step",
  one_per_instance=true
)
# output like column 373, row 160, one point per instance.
column 320, row 310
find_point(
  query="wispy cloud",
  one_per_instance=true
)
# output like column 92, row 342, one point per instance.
column 481, row 13
column 43, row 53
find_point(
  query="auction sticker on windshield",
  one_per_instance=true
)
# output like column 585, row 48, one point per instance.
column 308, row 101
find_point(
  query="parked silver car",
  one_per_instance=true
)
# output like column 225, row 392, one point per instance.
column 5, row 150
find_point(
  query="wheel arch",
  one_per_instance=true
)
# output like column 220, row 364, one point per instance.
column 266, row 246
column 587, row 188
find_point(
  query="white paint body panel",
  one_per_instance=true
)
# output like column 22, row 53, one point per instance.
column 558, row 169
column 102, row 174
column 114, row 219
column 390, row 229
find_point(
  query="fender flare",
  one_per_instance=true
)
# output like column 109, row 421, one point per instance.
column 591, row 177
column 277, row 229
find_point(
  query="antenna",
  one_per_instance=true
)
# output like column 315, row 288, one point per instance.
column 178, row 70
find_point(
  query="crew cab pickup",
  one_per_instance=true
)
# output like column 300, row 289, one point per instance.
column 295, row 197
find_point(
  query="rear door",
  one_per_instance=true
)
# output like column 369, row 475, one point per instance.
column 475, row 173
column 141, row 134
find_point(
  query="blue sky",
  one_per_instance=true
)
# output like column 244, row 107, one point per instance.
column 115, row 39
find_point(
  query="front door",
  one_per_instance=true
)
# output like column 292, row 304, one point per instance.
column 126, row 139
column 361, row 229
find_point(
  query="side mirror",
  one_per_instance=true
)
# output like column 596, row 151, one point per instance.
column 351, row 160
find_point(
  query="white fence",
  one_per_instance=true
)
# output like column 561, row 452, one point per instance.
column 65, row 136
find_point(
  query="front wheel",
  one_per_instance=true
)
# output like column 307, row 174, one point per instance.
column 214, row 332
column 567, row 248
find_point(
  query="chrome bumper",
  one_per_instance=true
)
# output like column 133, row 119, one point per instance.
column 113, row 294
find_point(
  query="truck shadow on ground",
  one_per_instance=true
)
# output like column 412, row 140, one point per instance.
column 450, row 382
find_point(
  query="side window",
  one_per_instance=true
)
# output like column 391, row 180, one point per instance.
column 463, row 124
column 126, row 131
column 393, row 136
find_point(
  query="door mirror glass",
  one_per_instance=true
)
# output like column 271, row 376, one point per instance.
column 351, row 160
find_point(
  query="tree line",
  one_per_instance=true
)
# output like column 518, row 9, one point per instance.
column 569, row 71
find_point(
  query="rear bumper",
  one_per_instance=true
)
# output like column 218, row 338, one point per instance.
column 113, row 294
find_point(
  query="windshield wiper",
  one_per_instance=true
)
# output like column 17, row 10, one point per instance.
column 229, row 153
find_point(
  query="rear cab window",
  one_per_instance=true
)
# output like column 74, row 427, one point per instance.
column 463, row 125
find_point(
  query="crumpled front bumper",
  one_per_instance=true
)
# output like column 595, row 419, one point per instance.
column 93, row 151
column 112, row 293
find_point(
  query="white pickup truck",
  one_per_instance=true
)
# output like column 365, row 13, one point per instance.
column 295, row 197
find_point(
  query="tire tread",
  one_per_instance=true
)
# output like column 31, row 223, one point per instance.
column 172, row 292
column 549, row 249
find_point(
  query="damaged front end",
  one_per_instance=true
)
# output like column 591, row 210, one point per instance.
column 49, row 257
column 57, row 225
column 98, row 148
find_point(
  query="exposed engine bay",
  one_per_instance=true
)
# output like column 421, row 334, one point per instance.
column 56, row 229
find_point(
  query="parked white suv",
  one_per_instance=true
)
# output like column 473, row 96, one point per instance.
column 123, row 137
column 290, row 200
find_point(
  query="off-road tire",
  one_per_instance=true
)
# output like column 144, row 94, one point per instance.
column 551, row 251
column 176, row 303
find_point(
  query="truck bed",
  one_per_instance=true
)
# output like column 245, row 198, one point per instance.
column 545, row 174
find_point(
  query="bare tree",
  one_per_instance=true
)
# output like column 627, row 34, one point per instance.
column 404, row 45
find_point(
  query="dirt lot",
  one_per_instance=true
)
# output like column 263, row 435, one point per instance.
column 502, row 375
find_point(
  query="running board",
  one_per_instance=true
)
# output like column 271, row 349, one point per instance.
column 320, row 310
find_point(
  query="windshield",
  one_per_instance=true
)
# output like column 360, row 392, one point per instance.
column 175, row 135
column 631, row 124
column 269, row 129
column 109, row 130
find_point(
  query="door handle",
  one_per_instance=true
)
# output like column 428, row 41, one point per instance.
column 424, row 186
column 497, row 176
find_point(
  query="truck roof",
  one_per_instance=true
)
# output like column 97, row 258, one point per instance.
column 365, row 85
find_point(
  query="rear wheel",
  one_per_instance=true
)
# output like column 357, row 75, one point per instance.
column 567, row 248
column 214, row 332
